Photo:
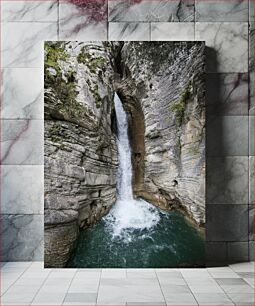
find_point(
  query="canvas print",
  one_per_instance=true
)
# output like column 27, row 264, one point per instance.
column 124, row 154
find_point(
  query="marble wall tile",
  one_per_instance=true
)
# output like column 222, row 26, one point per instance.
column 234, row 10
column 79, row 21
column 251, row 135
column 227, row 45
column 22, row 93
column 22, row 237
column 129, row 31
column 22, row 43
column 251, row 10
column 238, row 251
column 22, row 142
column 227, row 94
column 23, row 10
column 251, row 250
column 21, row 189
column 251, row 180
column 227, row 135
column 172, row 31
column 227, row 222
column 227, row 180
column 153, row 10
column 251, row 222
column 251, row 67
column 216, row 252
column 251, row 94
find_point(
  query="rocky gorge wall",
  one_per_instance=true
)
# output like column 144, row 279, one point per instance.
column 162, row 88
column 80, row 147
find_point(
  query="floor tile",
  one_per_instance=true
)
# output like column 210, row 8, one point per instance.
column 242, row 299
column 166, row 289
column 237, row 289
column 180, row 299
column 230, row 281
column 222, row 272
column 243, row 267
column 62, row 273
column 111, row 295
column 213, row 299
column 20, row 294
column 114, row 273
column 44, row 298
column 81, row 297
column 195, row 273
column 84, row 285
column 129, row 31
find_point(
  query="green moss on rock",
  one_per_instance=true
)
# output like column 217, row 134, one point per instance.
column 179, row 107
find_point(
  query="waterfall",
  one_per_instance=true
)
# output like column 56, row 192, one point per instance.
column 124, row 177
column 128, row 214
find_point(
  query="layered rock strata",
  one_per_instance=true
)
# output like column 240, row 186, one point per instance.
column 162, row 88
column 161, row 85
column 80, row 146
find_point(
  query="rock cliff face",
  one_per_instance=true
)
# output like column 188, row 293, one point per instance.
column 80, row 148
column 161, row 85
column 162, row 88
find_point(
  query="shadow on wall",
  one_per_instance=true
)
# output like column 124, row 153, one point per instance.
column 226, row 223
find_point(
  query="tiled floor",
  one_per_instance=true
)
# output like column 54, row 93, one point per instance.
column 28, row 283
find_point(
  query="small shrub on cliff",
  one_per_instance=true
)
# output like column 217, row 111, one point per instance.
column 179, row 107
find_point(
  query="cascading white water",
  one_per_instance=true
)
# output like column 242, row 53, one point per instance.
column 124, row 179
column 128, row 214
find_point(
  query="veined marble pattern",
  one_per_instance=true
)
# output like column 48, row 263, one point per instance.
column 227, row 93
column 251, row 222
column 22, row 142
column 227, row 136
column 251, row 68
column 227, row 180
column 129, row 31
column 21, row 189
column 151, row 10
column 251, row 135
column 234, row 10
column 182, row 31
column 22, row 237
column 75, row 22
column 22, row 43
column 227, row 223
column 22, row 93
column 251, row 180
column 251, row 10
column 23, row 10
column 227, row 45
